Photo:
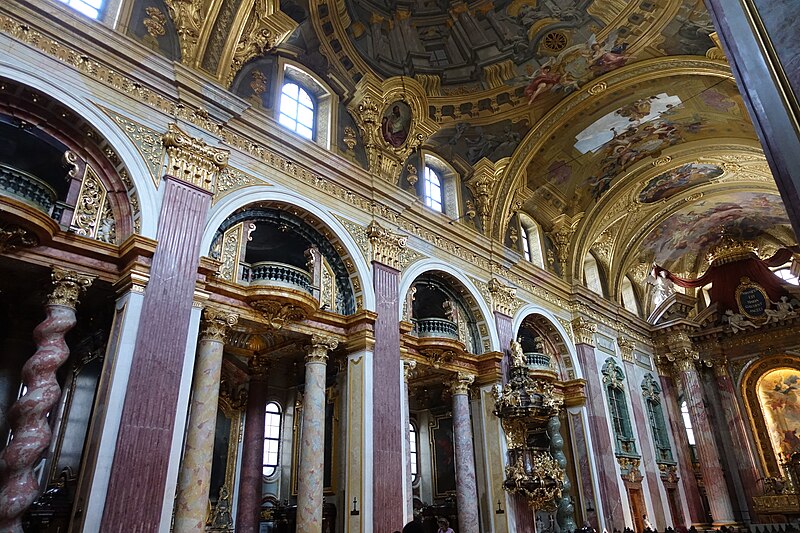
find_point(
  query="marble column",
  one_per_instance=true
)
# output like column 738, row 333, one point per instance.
column 310, row 471
column 139, row 472
column 387, row 450
column 466, row 484
column 250, row 477
column 194, row 481
column 408, row 368
column 713, row 477
column 683, row 455
column 603, row 448
column 565, row 514
column 747, row 469
column 28, row 416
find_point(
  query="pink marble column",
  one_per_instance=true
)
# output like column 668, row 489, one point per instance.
column 718, row 498
column 310, row 471
column 683, row 455
column 28, row 416
column 408, row 368
column 194, row 482
column 466, row 484
column 250, row 479
column 603, row 448
column 144, row 442
column 747, row 469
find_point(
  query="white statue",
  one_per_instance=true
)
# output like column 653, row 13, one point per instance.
column 663, row 287
column 517, row 357
column 738, row 322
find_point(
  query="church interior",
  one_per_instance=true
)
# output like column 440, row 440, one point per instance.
column 336, row 266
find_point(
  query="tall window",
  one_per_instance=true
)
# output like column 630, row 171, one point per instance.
column 526, row 244
column 272, row 438
column 412, row 444
column 614, row 378
column 433, row 190
column 687, row 423
column 629, row 300
column 655, row 413
column 90, row 8
column 591, row 273
column 297, row 110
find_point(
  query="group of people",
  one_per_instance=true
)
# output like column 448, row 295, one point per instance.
column 415, row 526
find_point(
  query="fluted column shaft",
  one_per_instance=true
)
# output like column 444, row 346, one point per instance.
column 466, row 484
column 310, row 471
column 195, row 476
column 250, row 485
column 748, row 472
column 28, row 415
column 707, row 453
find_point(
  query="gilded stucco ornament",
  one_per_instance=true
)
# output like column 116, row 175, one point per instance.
column 215, row 324
column 68, row 285
column 393, row 118
column 277, row 314
column 188, row 17
column 626, row 347
column 317, row 351
column 192, row 160
column 387, row 247
column 461, row 383
column 481, row 184
column 584, row 331
column 503, row 298
column 13, row 237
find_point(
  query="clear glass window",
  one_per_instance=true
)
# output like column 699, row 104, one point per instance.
column 90, row 8
column 412, row 440
column 433, row 190
column 786, row 275
column 526, row 245
column 687, row 423
column 272, row 438
column 297, row 110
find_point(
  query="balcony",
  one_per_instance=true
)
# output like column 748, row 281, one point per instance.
column 537, row 360
column 436, row 327
column 26, row 188
column 271, row 273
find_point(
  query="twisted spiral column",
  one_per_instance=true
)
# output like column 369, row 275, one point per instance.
column 310, row 473
column 566, row 510
column 28, row 416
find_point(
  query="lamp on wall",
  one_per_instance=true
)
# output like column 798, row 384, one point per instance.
column 499, row 509
column 355, row 512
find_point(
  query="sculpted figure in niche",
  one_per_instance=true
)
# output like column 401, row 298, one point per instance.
column 395, row 124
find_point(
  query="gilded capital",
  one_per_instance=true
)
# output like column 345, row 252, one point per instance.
column 317, row 351
column 68, row 285
column 215, row 324
column 504, row 298
column 684, row 359
column 626, row 347
column 720, row 367
column 584, row 331
column 190, row 159
column 408, row 369
column 388, row 248
column 461, row 383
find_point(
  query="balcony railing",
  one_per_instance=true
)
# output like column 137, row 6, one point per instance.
column 272, row 273
column 436, row 327
column 27, row 188
column 537, row 360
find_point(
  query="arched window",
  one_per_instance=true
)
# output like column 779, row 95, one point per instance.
column 591, row 274
column 655, row 413
column 90, row 8
column 629, row 300
column 297, row 110
column 413, row 450
column 272, row 438
column 526, row 244
column 613, row 379
column 432, row 192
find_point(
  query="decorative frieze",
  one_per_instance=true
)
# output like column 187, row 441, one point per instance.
column 192, row 160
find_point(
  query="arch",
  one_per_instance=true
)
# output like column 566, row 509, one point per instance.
column 532, row 309
column 263, row 193
column 65, row 94
column 749, row 390
column 430, row 265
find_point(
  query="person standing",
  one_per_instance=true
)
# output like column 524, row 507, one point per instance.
column 444, row 526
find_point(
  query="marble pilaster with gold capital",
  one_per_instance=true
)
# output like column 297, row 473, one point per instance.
column 466, row 483
column 195, row 476
column 310, row 471
column 28, row 415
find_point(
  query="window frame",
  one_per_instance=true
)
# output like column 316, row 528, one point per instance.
column 326, row 102
column 621, row 425
column 413, row 451
column 268, row 439
column 301, row 90
column 73, row 4
column 428, row 176
column 526, row 244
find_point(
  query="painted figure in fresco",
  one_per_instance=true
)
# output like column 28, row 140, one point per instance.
column 395, row 127
column 542, row 81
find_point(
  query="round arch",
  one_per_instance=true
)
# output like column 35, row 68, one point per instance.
column 149, row 199
column 532, row 309
column 430, row 265
column 263, row 193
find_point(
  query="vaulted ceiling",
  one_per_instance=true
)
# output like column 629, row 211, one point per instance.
column 616, row 125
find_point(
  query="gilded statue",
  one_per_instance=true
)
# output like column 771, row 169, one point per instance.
column 517, row 357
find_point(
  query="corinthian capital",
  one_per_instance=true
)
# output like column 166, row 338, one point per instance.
column 626, row 347
column 68, row 285
column 215, row 324
column 317, row 351
column 387, row 247
column 461, row 383
column 683, row 359
column 408, row 369
column 584, row 331
column 192, row 160
column 504, row 298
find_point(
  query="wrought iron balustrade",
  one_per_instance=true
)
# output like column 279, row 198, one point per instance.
column 26, row 188
column 436, row 327
column 270, row 272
